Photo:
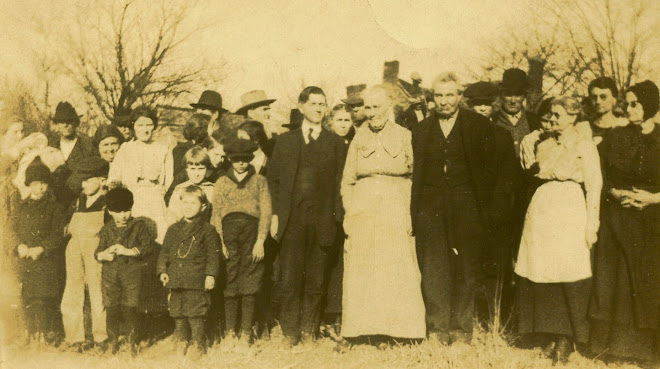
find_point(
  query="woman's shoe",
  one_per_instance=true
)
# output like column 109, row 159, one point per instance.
column 562, row 351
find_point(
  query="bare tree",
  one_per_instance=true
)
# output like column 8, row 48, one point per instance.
column 128, row 52
column 574, row 41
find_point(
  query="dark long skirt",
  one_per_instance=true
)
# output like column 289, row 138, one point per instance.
column 555, row 308
column 625, row 304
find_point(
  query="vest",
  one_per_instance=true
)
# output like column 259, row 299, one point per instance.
column 445, row 166
column 306, row 184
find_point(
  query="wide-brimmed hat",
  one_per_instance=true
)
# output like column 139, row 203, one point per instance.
column 240, row 148
column 296, row 118
column 354, row 94
column 515, row 81
column 209, row 100
column 66, row 113
column 481, row 92
column 253, row 99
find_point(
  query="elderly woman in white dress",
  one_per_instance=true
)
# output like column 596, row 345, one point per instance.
column 560, row 228
column 382, row 282
column 146, row 168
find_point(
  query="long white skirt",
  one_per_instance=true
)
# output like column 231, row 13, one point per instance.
column 553, row 247
column 382, row 283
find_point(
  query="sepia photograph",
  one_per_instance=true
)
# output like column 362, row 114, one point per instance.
column 455, row 184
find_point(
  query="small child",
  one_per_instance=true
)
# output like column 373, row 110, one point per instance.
column 82, row 269
column 123, row 243
column 241, row 213
column 39, row 228
column 197, row 164
column 188, row 265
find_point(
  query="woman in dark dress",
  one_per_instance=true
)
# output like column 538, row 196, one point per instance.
column 340, row 122
column 626, row 301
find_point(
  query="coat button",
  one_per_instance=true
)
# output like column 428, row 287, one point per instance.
column 180, row 265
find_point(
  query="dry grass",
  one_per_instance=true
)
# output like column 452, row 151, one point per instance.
column 486, row 351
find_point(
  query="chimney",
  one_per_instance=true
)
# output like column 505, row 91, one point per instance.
column 391, row 72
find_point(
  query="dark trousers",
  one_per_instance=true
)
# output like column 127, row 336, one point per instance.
column 448, row 236
column 41, row 314
column 303, row 267
column 190, row 329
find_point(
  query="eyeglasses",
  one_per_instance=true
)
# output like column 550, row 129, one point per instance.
column 632, row 104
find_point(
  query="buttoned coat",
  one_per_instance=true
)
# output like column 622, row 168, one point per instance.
column 190, row 252
column 40, row 223
column 282, row 175
column 491, row 163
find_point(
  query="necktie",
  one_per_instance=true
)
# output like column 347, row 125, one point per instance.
column 310, row 137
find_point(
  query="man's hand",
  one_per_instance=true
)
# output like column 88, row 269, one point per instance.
column 258, row 251
column 209, row 282
column 592, row 237
column 121, row 250
column 22, row 251
column 164, row 278
column 274, row 225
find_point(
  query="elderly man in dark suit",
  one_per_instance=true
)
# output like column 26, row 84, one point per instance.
column 304, row 180
column 460, row 189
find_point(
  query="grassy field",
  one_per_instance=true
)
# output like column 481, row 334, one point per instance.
column 486, row 351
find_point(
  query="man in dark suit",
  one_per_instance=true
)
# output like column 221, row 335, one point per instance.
column 304, row 180
column 75, row 148
column 460, row 189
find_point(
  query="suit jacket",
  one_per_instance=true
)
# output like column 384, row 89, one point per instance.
column 282, row 174
column 83, row 148
column 190, row 252
column 491, row 164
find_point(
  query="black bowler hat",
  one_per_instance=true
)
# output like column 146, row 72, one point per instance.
column 93, row 167
column 66, row 113
column 119, row 199
column 514, row 81
column 354, row 95
column 295, row 119
column 240, row 148
column 210, row 100
column 481, row 92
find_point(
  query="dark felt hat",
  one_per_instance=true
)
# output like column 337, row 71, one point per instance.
column 122, row 118
column 119, row 199
column 240, row 148
column 107, row 130
column 91, row 167
column 647, row 95
column 481, row 92
column 515, row 81
column 37, row 171
column 354, row 94
column 209, row 100
column 66, row 113
column 295, row 119
column 253, row 99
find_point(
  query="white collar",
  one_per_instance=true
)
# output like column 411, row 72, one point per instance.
column 513, row 118
column 306, row 126
column 241, row 176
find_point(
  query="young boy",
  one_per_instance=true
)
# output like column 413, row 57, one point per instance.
column 82, row 269
column 188, row 265
column 123, row 243
column 197, row 164
column 39, row 229
column 242, row 212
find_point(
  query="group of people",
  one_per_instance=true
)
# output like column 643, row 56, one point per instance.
column 375, row 224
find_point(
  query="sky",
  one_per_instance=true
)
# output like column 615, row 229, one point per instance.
column 279, row 46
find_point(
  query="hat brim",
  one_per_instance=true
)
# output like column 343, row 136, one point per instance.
column 237, row 156
column 243, row 109
column 210, row 107
column 353, row 101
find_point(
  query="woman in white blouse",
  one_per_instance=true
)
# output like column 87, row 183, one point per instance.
column 146, row 168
